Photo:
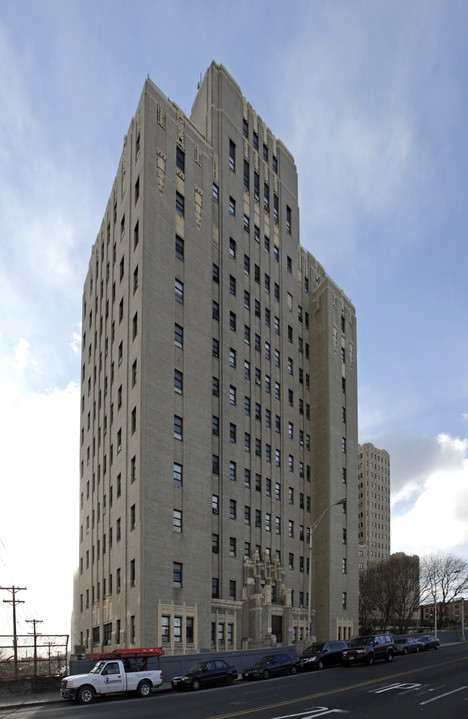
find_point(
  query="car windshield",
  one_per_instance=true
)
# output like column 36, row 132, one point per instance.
column 197, row 667
column 313, row 649
column 97, row 668
column 357, row 641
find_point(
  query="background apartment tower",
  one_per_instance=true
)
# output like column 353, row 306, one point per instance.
column 218, row 409
column 374, row 504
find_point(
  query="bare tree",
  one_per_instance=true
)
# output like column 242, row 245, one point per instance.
column 389, row 593
column 443, row 578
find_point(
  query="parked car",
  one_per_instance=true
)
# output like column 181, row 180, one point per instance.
column 406, row 645
column 202, row 674
column 272, row 665
column 368, row 649
column 322, row 654
column 428, row 641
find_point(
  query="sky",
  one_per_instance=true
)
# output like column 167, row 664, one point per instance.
column 371, row 99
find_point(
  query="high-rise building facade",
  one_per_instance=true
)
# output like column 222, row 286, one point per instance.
column 219, row 396
column 374, row 504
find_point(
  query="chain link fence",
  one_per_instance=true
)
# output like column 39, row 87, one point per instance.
column 33, row 656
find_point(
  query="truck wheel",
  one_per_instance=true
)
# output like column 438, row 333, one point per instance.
column 144, row 689
column 85, row 695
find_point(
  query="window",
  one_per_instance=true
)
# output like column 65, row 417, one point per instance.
column 288, row 219
column 215, row 426
column 215, row 464
column 232, row 589
column 246, row 223
column 180, row 204
column 178, row 381
column 232, row 357
column 258, row 518
column 180, row 159
column 214, row 587
column 232, row 546
column 232, row 155
column 177, row 520
column 247, row 406
column 343, row 445
column 232, row 471
column 265, row 152
column 232, row 206
column 245, row 127
column 165, row 629
column 246, row 264
column 177, row 574
column 232, row 395
column 215, row 350
column 178, row 427
column 232, row 248
column 215, row 543
column 247, row 442
column 177, row 474
column 266, row 197
column 232, row 321
column 132, row 517
column 246, row 175
column 215, row 386
column 246, row 369
column 179, row 247
column 255, row 139
column 246, row 477
column 215, row 192
column 215, row 504
column 179, row 290
column 232, row 433
column 232, row 508
column 246, row 515
column 344, row 565
column 178, row 336
column 232, row 285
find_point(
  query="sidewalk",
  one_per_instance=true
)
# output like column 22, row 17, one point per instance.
column 17, row 701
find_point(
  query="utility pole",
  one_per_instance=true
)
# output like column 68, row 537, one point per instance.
column 35, row 633
column 14, row 602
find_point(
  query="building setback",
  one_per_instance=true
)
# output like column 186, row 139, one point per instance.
column 374, row 504
column 218, row 396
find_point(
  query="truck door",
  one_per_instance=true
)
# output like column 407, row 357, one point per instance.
column 112, row 678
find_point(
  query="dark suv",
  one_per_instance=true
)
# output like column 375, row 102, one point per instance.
column 368, row 649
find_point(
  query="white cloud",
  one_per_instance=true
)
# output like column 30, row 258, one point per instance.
column 39, row 464
column 21, row 355
column 436, row 519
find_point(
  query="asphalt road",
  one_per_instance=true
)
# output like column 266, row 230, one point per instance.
column 431, row 685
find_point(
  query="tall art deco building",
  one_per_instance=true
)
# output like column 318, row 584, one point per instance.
column 218, row 396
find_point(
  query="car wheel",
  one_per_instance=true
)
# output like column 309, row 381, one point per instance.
column 85, row 695
column 144, row 689
column 370, row 660
column 195, row 685
column 229, row 680
column 405, row 651
column 389, row 656
column 293, row 669
column 266, row 674
column 320, row 664
column 436, row 646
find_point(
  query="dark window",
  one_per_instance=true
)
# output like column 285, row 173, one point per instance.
column 180, row 204
column 180, row 159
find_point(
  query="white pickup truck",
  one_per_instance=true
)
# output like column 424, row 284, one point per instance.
column 109, row 677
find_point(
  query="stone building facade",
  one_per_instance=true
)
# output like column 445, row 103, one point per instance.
column 219, row 395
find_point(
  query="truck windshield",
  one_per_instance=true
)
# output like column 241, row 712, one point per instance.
column 98, row 668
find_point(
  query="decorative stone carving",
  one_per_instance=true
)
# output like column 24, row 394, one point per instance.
column 198, row 199
column 161, row 165
column 180, row 122
column 161, row 117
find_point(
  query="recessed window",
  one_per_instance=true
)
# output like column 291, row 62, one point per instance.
column 177, row 574
column 215, row 192
column 179, row 247
column 177, row 520
column 178, row 427
column 180, row 204
column 180, row 159
column 232, row 155
column 179, row 290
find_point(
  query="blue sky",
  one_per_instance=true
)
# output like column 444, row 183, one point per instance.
column 371, row 99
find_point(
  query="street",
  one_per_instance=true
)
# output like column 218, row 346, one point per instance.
column 431, row 685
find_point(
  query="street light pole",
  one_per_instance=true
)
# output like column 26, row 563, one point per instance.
column 311, row 531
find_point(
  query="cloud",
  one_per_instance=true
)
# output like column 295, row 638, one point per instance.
column 430, row 504
column 21, row 355
column 39, row 464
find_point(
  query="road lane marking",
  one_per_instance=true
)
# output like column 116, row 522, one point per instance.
column 339, row 690
column 398, row 685
column 441, row 696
